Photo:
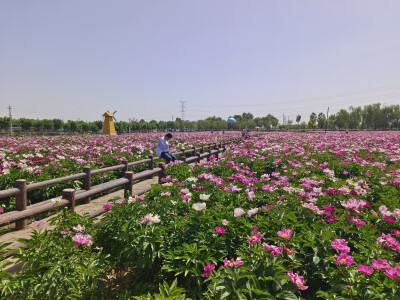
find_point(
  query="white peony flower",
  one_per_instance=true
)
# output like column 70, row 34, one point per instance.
column 204, row 197
column 199, row 206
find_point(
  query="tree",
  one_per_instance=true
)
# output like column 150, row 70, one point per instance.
column 47, row 124
column 58, row 124
column 26, row 124
column 355, row 117
column 321, row 120
column 342, row 119
column 313, row 118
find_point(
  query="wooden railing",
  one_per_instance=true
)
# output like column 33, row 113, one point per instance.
column 70, row 197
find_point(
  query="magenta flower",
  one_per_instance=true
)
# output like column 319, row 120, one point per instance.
column 208, row 270
column 275, row 250
column 380, row 264
column 254, row 238
column 220, row 230
column 107, row 206
column 340, row 245
column 285, row 233
column 297, row 280
column 344, row 259
column 393, row 273
column 38, row 223
column 1, row 211
column 232, row 263
column 365, row 270
column 82, row 239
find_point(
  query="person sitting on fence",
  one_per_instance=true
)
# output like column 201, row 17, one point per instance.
column 162, row 150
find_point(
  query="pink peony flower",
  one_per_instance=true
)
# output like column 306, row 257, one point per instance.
column 344, row 259
column 107, row 206
column 365, row 270
column 1, row 211
column 275, row 250
column 79, row 228
column 254, row 239
column 232, row 263
column 340, row 245
column 380, row 264
column 393, row 273
column 81, row 239
column 208, row 270
column 220, row 230
column 285, row 233
column 225, row 222
column 297, row 280
column 38, row 223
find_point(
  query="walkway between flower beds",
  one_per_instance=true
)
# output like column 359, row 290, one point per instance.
column 96, row 204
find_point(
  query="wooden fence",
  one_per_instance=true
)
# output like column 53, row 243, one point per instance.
column 70, row 197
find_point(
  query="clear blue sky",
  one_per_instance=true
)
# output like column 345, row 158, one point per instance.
column 76, row 59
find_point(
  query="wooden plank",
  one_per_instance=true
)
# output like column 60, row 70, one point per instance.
column 108, row 169
column 38, row 185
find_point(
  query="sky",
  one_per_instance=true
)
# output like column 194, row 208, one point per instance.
column 77, row 59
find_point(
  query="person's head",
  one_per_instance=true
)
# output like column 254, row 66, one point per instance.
column 168, row 136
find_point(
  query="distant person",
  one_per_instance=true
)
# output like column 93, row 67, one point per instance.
column 162, row 150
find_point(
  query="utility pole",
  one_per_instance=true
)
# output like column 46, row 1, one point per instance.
column 9, row 109
column 183, row 110
column 327, row 119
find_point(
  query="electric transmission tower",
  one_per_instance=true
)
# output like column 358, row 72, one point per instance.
column 9, row 109
column 183, row 109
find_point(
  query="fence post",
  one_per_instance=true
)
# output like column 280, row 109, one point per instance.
column 161, row 174
column 202, row 149
column 183, row 154
column 194, row 150
column 21, row 200
column 128, row 185
column 184, row 159
column 69, row 194
column 87, row 183
column 151, row 163
column 125, row 169
column 198, row 157
column 217, row 154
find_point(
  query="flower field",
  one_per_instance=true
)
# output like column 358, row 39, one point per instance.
column 43, row 158
column 279, row 216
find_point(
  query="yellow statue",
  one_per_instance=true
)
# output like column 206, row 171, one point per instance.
column 108, row 127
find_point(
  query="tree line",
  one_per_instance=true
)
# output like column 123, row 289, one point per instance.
column 370, row 117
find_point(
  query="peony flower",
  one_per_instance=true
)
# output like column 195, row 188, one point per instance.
column 204, row 197
column 254, row 239
column 380, row 264
column 275, row 250
column 238, row 212
column 79, row 228
column 285, row 233
column 107, row 206
column 150, row 219
column 344, row 259
column 393, row 273
column 365, row 270
column 252, row 212
column 297, row 280
column 199, row 206
column 220, row 230
column 38, row 223
column 232, row 263
column 225, row 222
column 340, row 245
column 81, row 239
column 208, row 270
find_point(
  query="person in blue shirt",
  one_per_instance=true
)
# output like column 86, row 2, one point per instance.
column 162, row 150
